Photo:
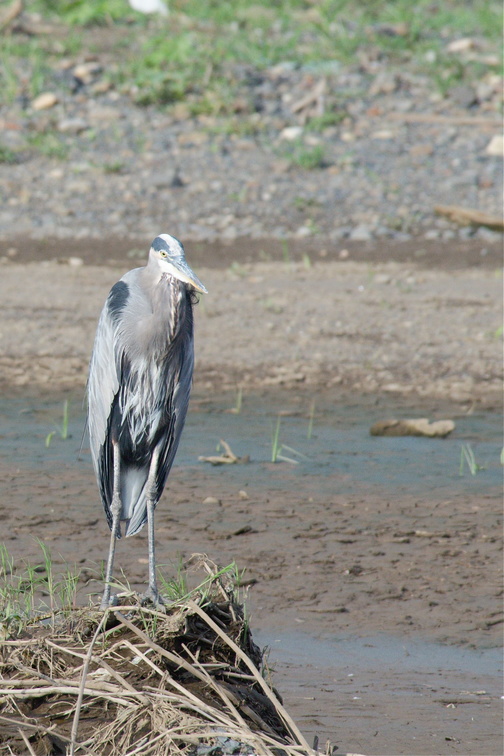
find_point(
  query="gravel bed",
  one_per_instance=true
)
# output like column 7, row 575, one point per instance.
column 395, row 150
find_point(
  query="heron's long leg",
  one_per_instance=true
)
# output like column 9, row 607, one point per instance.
column 115, row 508
column 152, row 593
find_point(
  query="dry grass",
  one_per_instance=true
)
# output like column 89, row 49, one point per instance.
column 134, row 680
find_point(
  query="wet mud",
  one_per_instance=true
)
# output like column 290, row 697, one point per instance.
column 372, row 566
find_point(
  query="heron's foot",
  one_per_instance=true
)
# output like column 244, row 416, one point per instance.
column 108, row 600
column 151, row 596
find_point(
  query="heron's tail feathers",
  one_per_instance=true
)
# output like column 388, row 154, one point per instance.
column 134, row 499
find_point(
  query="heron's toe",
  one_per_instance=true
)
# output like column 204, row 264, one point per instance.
column 151, row 596
column 106, row 603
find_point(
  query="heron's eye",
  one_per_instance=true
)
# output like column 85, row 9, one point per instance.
column 163, row 253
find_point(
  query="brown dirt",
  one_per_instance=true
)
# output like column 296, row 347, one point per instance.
column 361, row 564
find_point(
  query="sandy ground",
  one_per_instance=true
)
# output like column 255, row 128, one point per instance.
column 402, row 564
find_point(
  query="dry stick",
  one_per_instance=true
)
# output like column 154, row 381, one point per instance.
column 274, row 700
column 27, row 742
column 141, row 747
column 96, row 660
column 198, row 705
column 441, row 119
column 96, row 692
column 194, row 671
column 85, row 669
column 218, row 688
column 178, row 660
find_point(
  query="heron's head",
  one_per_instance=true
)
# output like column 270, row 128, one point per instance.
column 168, row 253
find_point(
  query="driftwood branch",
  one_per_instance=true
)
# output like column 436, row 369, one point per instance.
column 466, row 216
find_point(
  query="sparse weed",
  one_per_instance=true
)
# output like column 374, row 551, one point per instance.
column 238, row 404
column 116, row 166
column 275, row 442
column 277, row 448
column 285, row 251
column 331, row 118
column 50, row 144
column 467, row 458
column 237, row 269
column 61, row 429
column 311, row 417
column 8, row 156
column 33, row 590
column 304, row 156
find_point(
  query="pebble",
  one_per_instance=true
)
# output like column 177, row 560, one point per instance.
column 495, row 147
column 464, row 44
column 291, row 133
column 75, row 262
column 44, row 101
column 361, row 233
column 86, row 72
column 211, row 501
column 72, row 125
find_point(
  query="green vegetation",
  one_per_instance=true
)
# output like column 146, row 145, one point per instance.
column 203, row 53
column 304, row 156
column 33, row 590
column 50, row 144
column 31, row 593
column 7, row 156
column 467, row 458
column 61, row 429
column 277, row 448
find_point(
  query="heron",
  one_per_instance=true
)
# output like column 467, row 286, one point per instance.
column 140, row 378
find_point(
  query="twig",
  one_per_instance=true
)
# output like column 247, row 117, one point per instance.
column 13, row 12
column 467, row 216
column 441, row 119
column 27, row 742
column 78, row 706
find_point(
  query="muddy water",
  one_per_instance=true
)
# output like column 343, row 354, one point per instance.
column 362, row 556
column 449, row 698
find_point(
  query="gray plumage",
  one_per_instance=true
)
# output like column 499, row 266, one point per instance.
column 140, row 378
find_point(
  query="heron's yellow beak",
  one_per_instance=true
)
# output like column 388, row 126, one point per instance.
column 181, row 270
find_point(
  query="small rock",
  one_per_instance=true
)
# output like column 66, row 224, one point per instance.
column 44, row 101
column 421, row 150
column 348, row 136
column 463, row 95
column 303, row 231
column 72, row 125
column 384, row 83
column 212, row 501
column 461, row 45
column 383, row 134
column 75, row 262
column 361, row 233
column 243, row 495
column 495, row 147
column 86, row 72
column 100, row 87
column 382, row 278
column 291, row 133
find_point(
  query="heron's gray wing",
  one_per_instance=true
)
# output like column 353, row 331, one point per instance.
column 103, row 386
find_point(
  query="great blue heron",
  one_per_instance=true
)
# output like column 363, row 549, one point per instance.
column 138, row 389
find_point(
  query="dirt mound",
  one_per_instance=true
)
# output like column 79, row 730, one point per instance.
column 135, row 680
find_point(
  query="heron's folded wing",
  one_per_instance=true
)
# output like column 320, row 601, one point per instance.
column 103, row 384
